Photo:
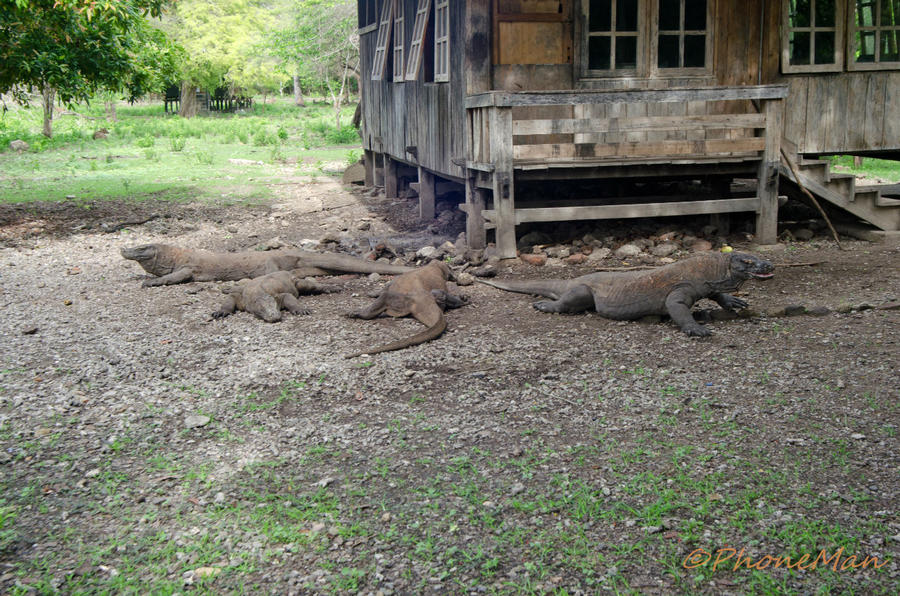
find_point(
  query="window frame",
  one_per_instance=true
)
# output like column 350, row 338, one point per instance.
column 383, row 41
column 839, row 40
column 417, row 43
column 647, row 66
column 682, row 71
column 441, row 41
column 852, row 28
column 399, row 46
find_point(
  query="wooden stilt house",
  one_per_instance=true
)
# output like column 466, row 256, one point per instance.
column 602, row 98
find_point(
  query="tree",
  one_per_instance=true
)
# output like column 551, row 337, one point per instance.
column 221, row 39
column 322, row 44
column 74, row 48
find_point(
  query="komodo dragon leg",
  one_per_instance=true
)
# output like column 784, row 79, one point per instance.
column 578, row 299
column 678, row 305
column 292, row 305
column 228, row 306
column 176, row 277
column 729, row 302
column 377, row 307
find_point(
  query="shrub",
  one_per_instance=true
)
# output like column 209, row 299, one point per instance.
column 177, row 143
column 147, row 141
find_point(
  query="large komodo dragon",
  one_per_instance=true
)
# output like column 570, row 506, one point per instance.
column 421, row 294
column 670, row 290
column 266, row 296
column 174, row 265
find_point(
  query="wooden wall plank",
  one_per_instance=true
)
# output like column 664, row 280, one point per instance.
column 875, row 112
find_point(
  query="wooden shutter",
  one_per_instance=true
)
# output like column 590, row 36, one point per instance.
column 399, row 40
column 442, row 40
column 384, row 37
column 417, row 45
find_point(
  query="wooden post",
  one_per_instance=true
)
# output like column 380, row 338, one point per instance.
column 426, row 194
column 767, row 191
column 503, row 187
column 369, row 164
column 477, row 47
column 379, row 169
column 476, row 237
column 391, row 180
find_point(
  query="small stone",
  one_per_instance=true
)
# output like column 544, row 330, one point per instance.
column 196, row 421
column 425, row 252
column 701, row 246
column 858, row 437
column 627, row 250
column 517, row 488
column 465, row 279
column 29, row 329
column 386, row 517
column 271, row 244
column 794, row 310
column 558, row 252
column 92, row 473
column 486, row 271
column 325, row 482
column 664, row 250
column 317, row 527
column 219, row 498
column 533, row 259
column 18, row 145
column 576, row 259
column 374, row 276
column 598, row 255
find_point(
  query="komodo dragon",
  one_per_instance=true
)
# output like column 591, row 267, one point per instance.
column 176, row 265
column 266, row 296
column 422, row 294
column 670, row 290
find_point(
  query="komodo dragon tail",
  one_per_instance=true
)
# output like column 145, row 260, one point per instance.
column 429, row 334
column 549, row 288
column 339, row 262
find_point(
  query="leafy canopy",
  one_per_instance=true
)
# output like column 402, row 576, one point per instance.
column 80, row 47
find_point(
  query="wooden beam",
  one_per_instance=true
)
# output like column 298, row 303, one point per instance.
column 659, row 123
column 630, row 211
column 426, row 194
column 475, row 200
column 477, row 46
column 699, row 149
column 500, row 123
column 391, row 179
column 369, row 162
column 767, row 187
column 527, row 98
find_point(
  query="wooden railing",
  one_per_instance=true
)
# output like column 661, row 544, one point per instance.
column 566, row 129
column 610, row 126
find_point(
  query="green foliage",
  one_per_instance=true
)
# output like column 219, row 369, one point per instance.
column 7, row 532
column 221, row 39
column 79, row 47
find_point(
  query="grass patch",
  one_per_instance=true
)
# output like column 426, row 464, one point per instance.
column 151, row 154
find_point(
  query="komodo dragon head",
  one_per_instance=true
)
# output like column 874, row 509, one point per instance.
column 151, row 257
column 746, row 266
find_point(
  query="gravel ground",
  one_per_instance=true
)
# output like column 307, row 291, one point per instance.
column 147, row 448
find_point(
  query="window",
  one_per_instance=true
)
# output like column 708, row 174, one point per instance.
column 368, row 16
column 681, row 34
column 442, row 40
column 647, row 38
column 417, row 44
column 381, row 43
column 813, row 34
column 399, row 40
column 874, row 34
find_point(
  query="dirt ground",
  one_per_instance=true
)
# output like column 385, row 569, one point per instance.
column 147, row 448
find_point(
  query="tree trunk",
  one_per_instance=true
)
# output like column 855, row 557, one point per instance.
column 189, row 107
column 111, row 110
column 298, row 92
column 49, row 94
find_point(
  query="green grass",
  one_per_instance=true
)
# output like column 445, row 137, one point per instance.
column 871, row 167
column 224, row 158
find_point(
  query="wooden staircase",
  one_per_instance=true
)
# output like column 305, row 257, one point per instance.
column 878, row 205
